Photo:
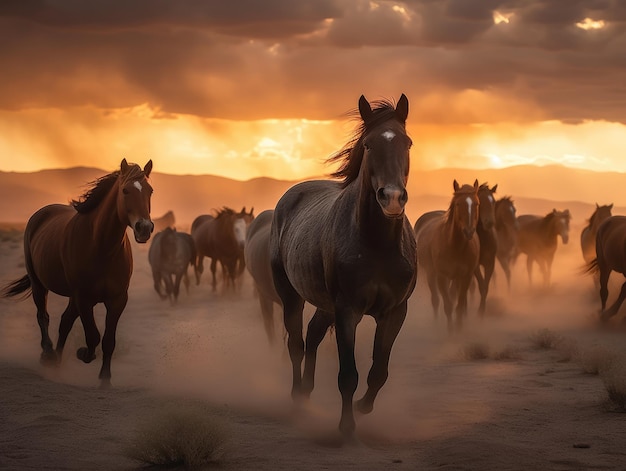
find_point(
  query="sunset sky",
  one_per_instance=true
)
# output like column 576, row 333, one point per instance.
column 247, row 88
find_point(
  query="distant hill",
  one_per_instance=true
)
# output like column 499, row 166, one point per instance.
column 534, row 189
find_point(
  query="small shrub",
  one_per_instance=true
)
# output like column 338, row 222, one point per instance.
column 545, row 339
column 596, row 360
column 507, row 353
column 182, row 436
column 614, row 379
column 476, row 351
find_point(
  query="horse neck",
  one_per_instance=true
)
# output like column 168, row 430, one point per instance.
column 105, row 222
column 370, row 219
column 453, row 233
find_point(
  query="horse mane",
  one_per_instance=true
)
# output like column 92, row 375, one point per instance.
column 225, row 211
column 504, row 199
column 99, row 188
column 351, row 155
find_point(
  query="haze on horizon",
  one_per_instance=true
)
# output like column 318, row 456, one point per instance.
column 244, row 88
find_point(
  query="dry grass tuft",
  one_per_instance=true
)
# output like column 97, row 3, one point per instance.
column 507, row 353
column 475, row 351
column 614, row 379
column 180, row 436
column 545, row 339
column 596, row 360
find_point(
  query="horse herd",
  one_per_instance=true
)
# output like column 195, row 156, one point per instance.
column 346, row 247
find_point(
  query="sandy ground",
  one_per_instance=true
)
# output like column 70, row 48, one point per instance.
column 521, row 408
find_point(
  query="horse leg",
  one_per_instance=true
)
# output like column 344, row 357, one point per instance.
column 482, row 288
column 177, row 280
column 186, row 280
column 199, row 268
column 461, row 304
column 434, row 295
column 444, row 289
column 316, row 330
column 114, row 308
column 65, row 326
column 40, row 297
column 489, row 269
column 156, row 278
column 529, row 269
column 604, row 291
column 267, row 311
column 387, row 328
column 348, row 378
column 213, row 269
column 92, row 335
column 610, row 312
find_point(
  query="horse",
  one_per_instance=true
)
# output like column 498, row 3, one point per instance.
column 488, row 241
column 588, row 234
column 167, row 220
column 448, row 250
column 170, row 255
column 81, row 251
column 611, row 256
column 506, row 232
column 538, row 239
column 257, row 262
column 221, row 238
column 347, row 248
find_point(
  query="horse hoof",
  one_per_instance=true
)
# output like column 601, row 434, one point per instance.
column 364, row 407
column 83, row 354
column 105, row 383
column 49, row 358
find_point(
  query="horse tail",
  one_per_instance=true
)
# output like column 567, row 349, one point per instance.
column 591, row 268
column 20, row 286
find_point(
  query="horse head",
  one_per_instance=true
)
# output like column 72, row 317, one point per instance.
column 465, row 207
column 506, row 213
column 487, row 209
column 386, row 154
column 562, row 219
column 600, row 214
column 133, row 199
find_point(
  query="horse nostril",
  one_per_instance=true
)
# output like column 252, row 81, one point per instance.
column 381, row 195
column 404, row 197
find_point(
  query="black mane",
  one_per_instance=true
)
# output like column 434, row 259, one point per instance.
column 100, row 187
column 351, row 155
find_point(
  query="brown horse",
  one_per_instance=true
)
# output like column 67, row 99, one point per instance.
column 81, row 251
column 488, row 241
column 221, row 238
column 167, row 220
column 348, row 248
column 537, row 238
column 611, row 256
column 506, row 233
column 448, row 251
column 588, row 234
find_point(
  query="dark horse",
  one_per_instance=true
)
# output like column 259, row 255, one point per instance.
column 449, row 249
column 506, row 232
column 537, row 238
column 348, row 249
column 488, row 241
column 170, row 255
column 81, row 251
column 611, row 256
column 588, row 234
column 257, row 260
column 221, row 238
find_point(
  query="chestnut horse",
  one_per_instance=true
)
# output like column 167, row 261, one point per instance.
column 348, row 249
column 221, row 238
column 488, row 241
column 611, row 256
column 538, row 239
column 588, row 234
column 448, row 251
column 81, row 251
column 506, row 233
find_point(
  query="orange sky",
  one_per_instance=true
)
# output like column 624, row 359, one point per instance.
column 246, row 88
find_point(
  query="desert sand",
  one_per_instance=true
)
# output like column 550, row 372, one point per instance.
column 522, row 407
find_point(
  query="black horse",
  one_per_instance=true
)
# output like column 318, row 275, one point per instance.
column 348, row 248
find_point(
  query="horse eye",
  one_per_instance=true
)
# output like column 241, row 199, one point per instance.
column 367, row 146
column 125, row 191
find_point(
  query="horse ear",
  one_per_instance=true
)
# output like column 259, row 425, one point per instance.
column 611, row 206
column 124, row 165
column 365, row 110
column 148, row 168
column 476, row 184
column 495, row 187
column 597, row 206
column 252, row 211
column 456, row 185
column 402, row 108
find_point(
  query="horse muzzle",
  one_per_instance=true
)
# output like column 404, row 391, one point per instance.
column 142, row 230
column 392, row 201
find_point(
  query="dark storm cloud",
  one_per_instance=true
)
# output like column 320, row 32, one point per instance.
column 245, row 59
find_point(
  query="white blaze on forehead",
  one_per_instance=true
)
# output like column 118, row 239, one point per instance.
column 469, row 206
column 389, row 135
column 239, row 227
column 137, row 185
column 490, row 198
